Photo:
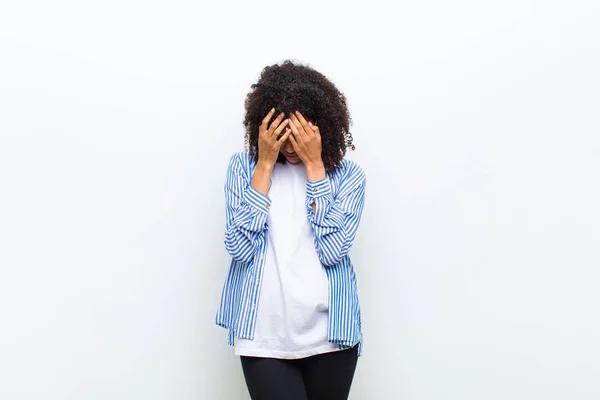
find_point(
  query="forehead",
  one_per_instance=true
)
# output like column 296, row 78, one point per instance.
column 306, row 117
column 290, row 107
column 288, row 113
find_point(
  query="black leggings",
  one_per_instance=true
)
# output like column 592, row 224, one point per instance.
column 326, row 376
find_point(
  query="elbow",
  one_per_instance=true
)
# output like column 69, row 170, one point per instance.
column 239, row 250
column 332, row 252
column 243, row 259
column 329, row 259
column 241, row 255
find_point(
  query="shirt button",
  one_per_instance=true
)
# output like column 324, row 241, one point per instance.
column 267, row 206
column 315, row 189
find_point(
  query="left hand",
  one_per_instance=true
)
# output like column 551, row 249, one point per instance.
column 306, row 140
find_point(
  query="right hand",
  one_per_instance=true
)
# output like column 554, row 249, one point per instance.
column 269, row 142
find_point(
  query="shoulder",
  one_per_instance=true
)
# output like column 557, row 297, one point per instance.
column 240, row 166
column 241, row 157
column 351, row 170
column 241, row 160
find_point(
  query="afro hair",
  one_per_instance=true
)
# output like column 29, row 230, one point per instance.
column 290, row 86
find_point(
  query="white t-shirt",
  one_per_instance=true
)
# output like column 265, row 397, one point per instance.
column 293, row 305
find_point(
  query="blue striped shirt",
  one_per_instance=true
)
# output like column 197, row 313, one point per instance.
column 339, row 200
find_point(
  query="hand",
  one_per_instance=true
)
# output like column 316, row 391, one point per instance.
column 268, row 143
column 306, row 140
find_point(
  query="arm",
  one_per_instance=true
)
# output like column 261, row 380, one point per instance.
column 247, row 205
column 335, row 220
column 246, row 213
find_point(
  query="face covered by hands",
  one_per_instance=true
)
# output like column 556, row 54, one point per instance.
column 306, row 140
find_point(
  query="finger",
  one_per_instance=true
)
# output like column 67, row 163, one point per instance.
column 294, row 127
column 300, row 134
column 281, row 127
column 304, row 123
column 285, row 136
column 267, row 118
column 275, row 124
column 314, row 128
column 295, row 145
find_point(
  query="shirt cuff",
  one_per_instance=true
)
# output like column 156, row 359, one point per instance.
column 318, row 188
column 258, row 200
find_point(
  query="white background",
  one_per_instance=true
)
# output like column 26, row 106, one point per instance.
column 479, row 252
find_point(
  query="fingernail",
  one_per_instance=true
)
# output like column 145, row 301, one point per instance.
column 273, row 109
column 310, row 123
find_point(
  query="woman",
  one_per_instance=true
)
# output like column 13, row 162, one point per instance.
column 293, row 206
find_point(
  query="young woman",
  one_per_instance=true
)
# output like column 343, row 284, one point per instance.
column 293, row 206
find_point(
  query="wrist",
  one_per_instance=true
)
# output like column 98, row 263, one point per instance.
column 315, row 171
column 262, row 177
column 265, row 166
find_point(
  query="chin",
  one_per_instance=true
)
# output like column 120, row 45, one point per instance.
column 293, row 160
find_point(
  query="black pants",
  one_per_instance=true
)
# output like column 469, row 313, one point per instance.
column 326, row 376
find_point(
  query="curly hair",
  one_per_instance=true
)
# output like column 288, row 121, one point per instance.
column 289, row 87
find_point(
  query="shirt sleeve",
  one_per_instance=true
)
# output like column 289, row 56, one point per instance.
column 336, row 219
column 247, row 210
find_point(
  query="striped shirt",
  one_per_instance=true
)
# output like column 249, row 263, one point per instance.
column 339, row 200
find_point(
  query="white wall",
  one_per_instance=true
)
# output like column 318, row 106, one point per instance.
column 478, row 258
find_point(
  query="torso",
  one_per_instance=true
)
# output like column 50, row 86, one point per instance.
column 293, row 306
